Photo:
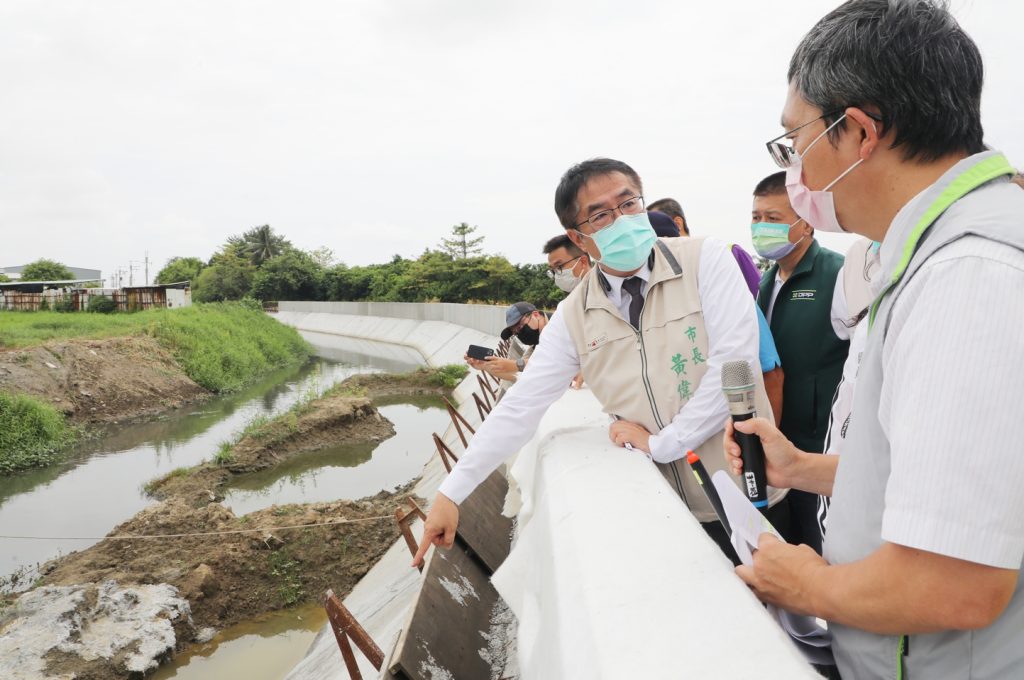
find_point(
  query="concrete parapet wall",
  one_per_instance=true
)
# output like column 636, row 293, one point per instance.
column 489, row 319
column 439, row 342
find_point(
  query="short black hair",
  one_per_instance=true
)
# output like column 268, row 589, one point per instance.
column 575, row 177
column 772, row 185
column 561, row 241
column 910, row 60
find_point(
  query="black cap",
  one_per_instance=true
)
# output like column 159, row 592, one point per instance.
column 662, row 223
column 513, row 315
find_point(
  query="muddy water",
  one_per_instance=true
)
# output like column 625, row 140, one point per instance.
column 262, row 649
column 348, row 471
column 101, row 485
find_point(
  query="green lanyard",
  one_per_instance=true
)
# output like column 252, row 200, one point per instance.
column 966, row 182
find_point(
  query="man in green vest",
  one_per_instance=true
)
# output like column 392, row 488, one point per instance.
column 807, row 314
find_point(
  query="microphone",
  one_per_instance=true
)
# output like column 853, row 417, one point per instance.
column 738, row 386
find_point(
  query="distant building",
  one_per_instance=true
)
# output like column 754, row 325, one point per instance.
column 80, row 274
column 74, row 296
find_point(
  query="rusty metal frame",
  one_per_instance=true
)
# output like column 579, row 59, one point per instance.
column 444, row 452
column 346, row 628
column 405, row 517
column 458, row 418
column 485, row 391
column 484, row 409
column 489, row 393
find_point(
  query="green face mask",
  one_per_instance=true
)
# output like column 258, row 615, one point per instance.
column 771, row 240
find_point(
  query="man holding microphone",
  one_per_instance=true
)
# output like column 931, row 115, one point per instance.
column 920, row 576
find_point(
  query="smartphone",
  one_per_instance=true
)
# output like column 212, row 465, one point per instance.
column 479, row 353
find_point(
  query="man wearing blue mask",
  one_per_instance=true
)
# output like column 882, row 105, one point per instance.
column 650, row 327
column 808, row 317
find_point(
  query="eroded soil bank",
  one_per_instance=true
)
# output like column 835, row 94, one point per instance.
column 96, row 382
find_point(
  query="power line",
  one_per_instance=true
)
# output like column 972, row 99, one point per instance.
column 131, row 537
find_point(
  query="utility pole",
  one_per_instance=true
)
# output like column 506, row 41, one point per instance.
column 147, row 267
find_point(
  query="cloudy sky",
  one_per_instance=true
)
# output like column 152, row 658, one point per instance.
column 372, row 126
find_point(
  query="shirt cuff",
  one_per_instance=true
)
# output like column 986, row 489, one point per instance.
column 454, row 488
column 664, row 448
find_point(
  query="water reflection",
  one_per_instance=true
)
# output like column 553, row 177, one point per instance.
column 348, row 471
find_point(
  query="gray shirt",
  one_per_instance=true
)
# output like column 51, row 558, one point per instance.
column 931, row 461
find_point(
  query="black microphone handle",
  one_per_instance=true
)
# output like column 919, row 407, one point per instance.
column 754, row 479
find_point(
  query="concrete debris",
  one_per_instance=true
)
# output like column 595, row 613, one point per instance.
column 130, row 629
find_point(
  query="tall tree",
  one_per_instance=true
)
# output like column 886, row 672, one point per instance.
column 291, row 276
column 46, row 270
column 323, row 256
column 180, row 269
column 260, row 244
column 461, row 245
column 228, row 277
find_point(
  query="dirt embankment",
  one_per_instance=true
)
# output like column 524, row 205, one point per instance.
column 229, row 577
column 94, row 382
column 329, row 421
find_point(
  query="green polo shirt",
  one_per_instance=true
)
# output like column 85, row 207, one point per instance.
column 812, row 355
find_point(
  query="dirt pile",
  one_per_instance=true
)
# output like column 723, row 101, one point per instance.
column 100, row 381
column 328, row 421
column 229, row 577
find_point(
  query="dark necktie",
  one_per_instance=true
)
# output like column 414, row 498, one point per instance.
column 636, row 303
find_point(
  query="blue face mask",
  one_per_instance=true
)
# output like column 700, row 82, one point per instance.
column 771, row 240
column 626, row 243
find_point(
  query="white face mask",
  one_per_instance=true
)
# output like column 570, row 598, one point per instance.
column 566, row 280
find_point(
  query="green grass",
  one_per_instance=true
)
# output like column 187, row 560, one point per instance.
column 154, row 484
column 32, row 433
column 449, row 376
column 222, row 346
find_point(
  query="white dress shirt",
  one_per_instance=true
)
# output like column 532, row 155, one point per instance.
column 732, row 329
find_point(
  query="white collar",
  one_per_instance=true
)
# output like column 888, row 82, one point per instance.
column 615, row 283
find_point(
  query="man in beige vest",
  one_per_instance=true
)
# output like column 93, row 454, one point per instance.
column 650, row 327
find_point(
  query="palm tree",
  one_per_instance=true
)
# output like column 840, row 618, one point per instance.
column 259, row 244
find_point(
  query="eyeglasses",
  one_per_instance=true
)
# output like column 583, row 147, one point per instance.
column 782, row 152
column 785, row 155
column 602, row 219
column 551, row 271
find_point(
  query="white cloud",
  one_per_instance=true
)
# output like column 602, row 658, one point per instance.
column 372, row 127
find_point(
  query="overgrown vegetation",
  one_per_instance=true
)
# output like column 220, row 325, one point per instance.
column 449, row 376
column 221, row 346
column 225, row 346
column 32, row 432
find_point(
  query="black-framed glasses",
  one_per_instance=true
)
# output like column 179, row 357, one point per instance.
column 602, row 219
column 551, row 271
column 785, row 155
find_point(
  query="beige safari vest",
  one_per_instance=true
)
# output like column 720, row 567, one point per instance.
column 647, row 375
